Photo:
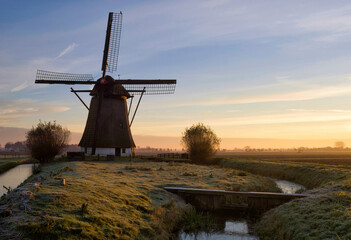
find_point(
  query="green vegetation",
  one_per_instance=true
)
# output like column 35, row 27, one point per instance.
column 47, row 140
column 195, row 221
column 201, row 143
column 118, row 199
column 326, row 215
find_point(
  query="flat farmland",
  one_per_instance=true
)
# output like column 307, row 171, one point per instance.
column 330, row 158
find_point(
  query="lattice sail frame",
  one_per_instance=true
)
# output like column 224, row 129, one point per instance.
column 115, row 39
column 153, row 87
column 63, row 78
column 135, row 86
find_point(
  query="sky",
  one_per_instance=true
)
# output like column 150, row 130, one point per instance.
column 248, row 69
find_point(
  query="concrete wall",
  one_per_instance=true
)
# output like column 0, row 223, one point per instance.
column 105, row 151
column 128, row 152
column 108, row 151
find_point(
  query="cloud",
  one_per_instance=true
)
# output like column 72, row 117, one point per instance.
column 20, row 87
column 334, row 20
column 200, row 22
column 310, row 94
column 17, row 110
column 330, row 37
column 67, row 50
column 285, row 118
column 311, row 110
column 283, row 95
column 56, row 109
column 278, row 120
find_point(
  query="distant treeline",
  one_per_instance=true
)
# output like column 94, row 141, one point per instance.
column 18, row 147
column 299, row 149
column 153, row 149
column 21, row 147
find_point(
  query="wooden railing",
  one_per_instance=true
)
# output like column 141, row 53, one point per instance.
column 210, row 199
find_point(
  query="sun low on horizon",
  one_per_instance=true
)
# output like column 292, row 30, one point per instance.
column 249, row 70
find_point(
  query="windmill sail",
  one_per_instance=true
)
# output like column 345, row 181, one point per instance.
column 112, row 42
column 149, row 87
column 136, row 86
column 63, row 78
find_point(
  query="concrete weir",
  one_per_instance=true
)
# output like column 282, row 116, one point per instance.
column 207, row 199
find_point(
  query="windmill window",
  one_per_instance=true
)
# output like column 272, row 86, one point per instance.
column 121, row 125
column 123, row 150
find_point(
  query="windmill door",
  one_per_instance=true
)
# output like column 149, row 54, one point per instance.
column 117, row 152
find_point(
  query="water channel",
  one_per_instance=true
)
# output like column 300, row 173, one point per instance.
column 15, row 176
column 225, row 227
column 236, row 227
column 288, row 187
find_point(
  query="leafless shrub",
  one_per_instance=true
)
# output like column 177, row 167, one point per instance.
column 46, row 140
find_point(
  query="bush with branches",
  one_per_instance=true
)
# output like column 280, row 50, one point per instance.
column 201, row 143
column 46, row 140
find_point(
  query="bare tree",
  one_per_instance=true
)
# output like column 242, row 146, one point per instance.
column 46, row 140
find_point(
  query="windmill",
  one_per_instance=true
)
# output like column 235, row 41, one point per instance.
column 107, row 130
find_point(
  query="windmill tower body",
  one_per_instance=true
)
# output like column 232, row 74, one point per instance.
column 107, row 128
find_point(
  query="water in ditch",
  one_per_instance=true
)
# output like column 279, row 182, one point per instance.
column 225, row 227
column 234, row 226
column 289, row 187
column 15, row 176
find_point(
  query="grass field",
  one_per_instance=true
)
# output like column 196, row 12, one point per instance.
column 329, row 158
column 326, row 215
column 117, row 200
column 124, row 199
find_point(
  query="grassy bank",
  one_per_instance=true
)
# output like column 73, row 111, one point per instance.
column 307, row 174
column 326, row 215
column 123, row 200
column 8, row 163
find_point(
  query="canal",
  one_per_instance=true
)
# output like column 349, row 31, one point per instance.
column 15, row 176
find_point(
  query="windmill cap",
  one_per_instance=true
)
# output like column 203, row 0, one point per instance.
column 107, row 80
column 110, row 88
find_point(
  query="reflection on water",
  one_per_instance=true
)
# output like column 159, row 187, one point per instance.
column 227, row 227
column 15, row 176
column 288, row 187
column 238, row 227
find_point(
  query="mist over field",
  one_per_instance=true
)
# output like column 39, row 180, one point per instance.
column 8, row 134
